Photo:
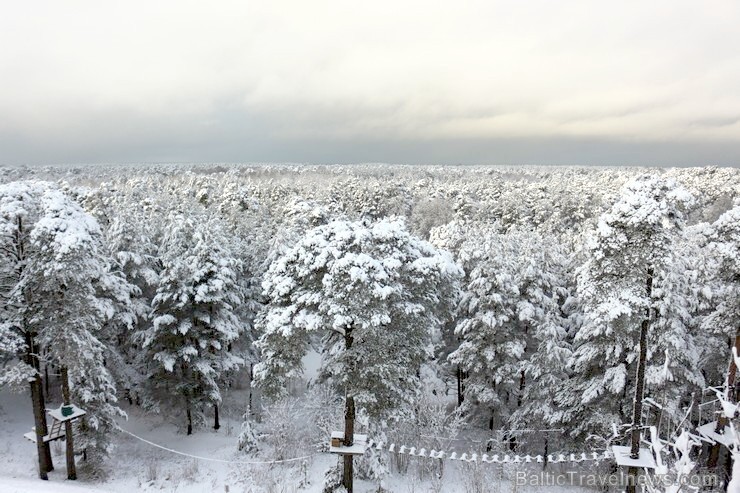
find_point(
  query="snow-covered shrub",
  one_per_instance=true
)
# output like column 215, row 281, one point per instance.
column 267, row 478
column 374, row 464
column 441, row 427
column 333, row 480
column 152, row 471
column 324, row 414
column 190, row 470
column 286, row 428
column 247, row 441
column 433, row 426
column 476, row 477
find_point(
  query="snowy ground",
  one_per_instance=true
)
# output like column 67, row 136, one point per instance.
column 137, row 466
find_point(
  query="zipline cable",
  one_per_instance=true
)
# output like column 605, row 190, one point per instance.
column 211, row 459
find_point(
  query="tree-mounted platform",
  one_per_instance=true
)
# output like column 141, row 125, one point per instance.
column 709, row 431
column 623, row 457
column 358, row 447
column 59, row 416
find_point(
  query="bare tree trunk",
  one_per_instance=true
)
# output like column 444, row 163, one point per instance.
column 71, row 468
column 632, row 472
column 722, row 421
column 216, row 424
column 190, row 419
column 349, row 424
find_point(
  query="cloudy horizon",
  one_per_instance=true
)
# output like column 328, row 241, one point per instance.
column 331, row 81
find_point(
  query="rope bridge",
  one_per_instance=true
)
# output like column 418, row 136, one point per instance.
column 411, row 451
column 492, row 459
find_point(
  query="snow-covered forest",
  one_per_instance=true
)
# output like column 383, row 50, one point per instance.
column 242, row 313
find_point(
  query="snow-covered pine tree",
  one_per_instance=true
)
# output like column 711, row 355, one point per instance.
column 545, row 307
column 673, row 369
column 375, row 279
column 723, row 241
column 374, row 293
column 77, row 295
column 56, row 269
column 625, row 283
column 513, row 339
column 132, row 236
column 194, row 317
column 721, row 323
column 456, row 237
column 19, row 211
column 251, row 230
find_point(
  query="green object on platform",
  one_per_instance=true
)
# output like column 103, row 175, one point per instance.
column 67, row 410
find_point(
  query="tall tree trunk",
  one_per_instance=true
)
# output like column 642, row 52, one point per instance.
column 547, row 447
column 349, row 423
column 71, row 468
column 722, row 421
column 31, row 358
column 39, row 410
column 522, row 381
column 46, row 379
column 189, row 418
column 349, row 431
column 489, row 445
column 42, row 448
column 216, row 424
column 251, row 387
column 460, row 388
column 632, row 472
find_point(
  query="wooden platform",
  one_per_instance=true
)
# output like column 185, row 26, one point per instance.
column 357, row 448
column 55, row 433
column 622, row 455
column 56, row 430
column 709, row 431
column 57, row 413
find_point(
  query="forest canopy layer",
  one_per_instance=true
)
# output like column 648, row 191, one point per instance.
column 522, row 294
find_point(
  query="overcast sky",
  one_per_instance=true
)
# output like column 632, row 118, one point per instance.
column 325, row 81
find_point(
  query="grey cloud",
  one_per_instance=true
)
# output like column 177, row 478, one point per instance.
column 716, row 122
column 231, row 133
column 239, row 138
